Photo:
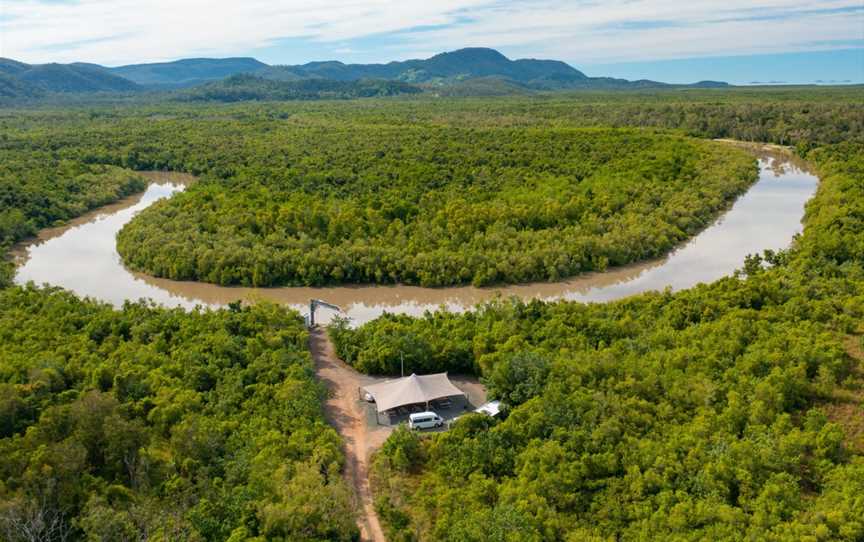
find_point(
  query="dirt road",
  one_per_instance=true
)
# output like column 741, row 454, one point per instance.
column 346, row 413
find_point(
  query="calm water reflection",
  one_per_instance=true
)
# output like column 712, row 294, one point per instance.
column 82, row 257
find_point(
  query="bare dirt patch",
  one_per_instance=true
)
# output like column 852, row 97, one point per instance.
column 347, row 414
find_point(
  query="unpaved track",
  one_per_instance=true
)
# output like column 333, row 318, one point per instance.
column 344, row 411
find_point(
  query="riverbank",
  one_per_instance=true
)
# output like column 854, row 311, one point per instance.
column 82, row 257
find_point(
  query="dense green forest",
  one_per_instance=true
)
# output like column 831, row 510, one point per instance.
column 40, row 189
column 238, row 88
column 158, row 424
column 722, row 412
column 435, row 207
column 389, row 195
column 250, row 155
column 716, row 413
column 37, row 189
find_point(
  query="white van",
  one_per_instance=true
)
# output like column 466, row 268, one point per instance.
column 425, row 420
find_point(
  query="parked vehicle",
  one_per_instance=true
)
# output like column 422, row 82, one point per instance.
column 425, row 420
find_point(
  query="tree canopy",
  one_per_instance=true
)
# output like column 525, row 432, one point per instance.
column 435, row 207
column 728, row 411
column 712, row 413
column 148, row 423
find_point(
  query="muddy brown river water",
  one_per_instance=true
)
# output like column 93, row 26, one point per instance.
column 82, row 257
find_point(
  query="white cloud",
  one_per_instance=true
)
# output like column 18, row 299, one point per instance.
column 122, row 31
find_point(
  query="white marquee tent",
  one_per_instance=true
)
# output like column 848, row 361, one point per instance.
column 411, row 390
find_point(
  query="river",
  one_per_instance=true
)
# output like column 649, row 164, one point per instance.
column 81, row 256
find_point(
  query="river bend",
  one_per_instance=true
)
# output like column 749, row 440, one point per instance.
column 82, row 257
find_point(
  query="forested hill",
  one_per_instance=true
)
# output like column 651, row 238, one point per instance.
column 455, row 68
column 12, row 87
column 456, row 65
column 33, row 80
column 241, row 87
column 187, row 72
column 465, row 65
column 476, row 71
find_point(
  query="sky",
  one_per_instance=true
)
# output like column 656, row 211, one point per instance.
column 740, row 41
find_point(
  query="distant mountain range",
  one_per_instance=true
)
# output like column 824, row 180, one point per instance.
column 444, row 68
column 19, row 79
column 188, row 72
column 466, row 71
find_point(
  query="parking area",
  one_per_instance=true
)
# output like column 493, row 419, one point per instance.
column 448, row 409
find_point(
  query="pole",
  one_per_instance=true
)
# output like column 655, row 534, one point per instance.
column 402, row 359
